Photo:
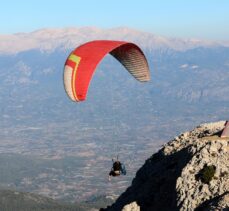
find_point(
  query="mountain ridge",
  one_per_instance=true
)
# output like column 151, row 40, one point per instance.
column 48, row 39
column 21, row 201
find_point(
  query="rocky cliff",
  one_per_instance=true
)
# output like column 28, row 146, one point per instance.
column 190, row 172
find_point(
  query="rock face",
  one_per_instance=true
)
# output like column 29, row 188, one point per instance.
column 191, row 172
column 131, row 207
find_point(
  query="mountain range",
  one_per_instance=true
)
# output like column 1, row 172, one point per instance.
column 67, row 38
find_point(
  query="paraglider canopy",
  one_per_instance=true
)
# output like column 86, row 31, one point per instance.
column 81, row 64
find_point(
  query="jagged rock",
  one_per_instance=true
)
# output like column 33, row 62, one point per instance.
column 190, row 172
column 219, row 203
column 131, row 207
column 190, row 191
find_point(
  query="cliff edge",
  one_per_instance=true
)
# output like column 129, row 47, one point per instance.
column 190, row 172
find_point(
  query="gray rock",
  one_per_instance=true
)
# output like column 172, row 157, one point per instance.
column 131, row 207
column 190, row 172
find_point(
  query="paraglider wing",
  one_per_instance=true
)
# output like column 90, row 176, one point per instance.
column 81, row 64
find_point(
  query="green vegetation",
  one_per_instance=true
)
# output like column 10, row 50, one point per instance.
column 99, row 201
column 206, row 174
column 23, row 201
column 13, row 200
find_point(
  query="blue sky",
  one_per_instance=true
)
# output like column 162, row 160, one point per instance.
column 205, row 19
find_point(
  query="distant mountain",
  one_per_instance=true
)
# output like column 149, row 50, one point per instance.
column 189, row 173
column 67, row 38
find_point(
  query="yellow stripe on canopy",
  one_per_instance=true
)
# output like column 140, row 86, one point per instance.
column 75, row 59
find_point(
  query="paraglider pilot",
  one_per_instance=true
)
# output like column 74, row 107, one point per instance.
column 117, row 169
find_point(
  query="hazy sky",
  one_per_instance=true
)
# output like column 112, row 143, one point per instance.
column 208, row 19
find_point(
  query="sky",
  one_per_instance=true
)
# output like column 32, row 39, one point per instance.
column 201, row 19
